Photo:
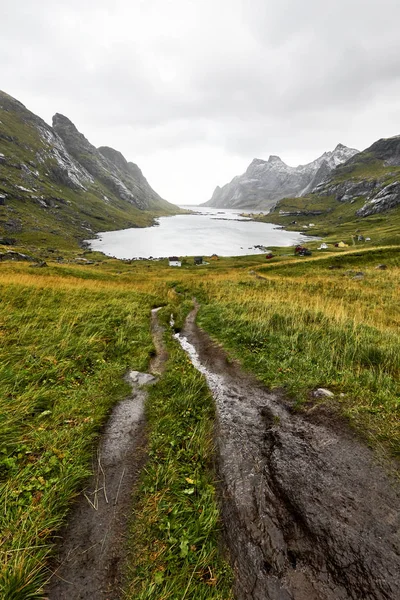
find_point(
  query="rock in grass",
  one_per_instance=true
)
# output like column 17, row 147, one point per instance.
column 42, row 263
column 7, row 241
column 11, row 255
column 381, row 267
column 323, row 393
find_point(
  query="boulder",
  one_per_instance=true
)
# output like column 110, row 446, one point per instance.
column 323, row 393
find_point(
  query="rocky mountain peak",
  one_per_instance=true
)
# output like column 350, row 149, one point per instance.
column 266, row 182
column 114, row 156
column 60, row 120
column 273, row 159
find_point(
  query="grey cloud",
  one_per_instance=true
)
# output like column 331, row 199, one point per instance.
column 249, row 77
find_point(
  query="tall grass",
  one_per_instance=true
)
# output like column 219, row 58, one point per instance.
column 62, row 356
column 303, row 329
column 68, row 333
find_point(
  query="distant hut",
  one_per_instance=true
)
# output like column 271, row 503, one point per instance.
column 214, row 257
column 198, row 260
column 174, row 261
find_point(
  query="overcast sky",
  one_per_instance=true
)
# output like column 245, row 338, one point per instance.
column 193, row 90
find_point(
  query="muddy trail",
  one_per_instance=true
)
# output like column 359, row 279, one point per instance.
column 93, row 549
column 309, row 512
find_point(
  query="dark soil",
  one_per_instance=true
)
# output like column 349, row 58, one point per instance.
column 310, row 512
column 93, row 546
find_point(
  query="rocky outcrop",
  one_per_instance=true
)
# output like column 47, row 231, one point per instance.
column 45, row 153
column 347, row 191
column 387, row 198
column 380, row 193
column 266, row 182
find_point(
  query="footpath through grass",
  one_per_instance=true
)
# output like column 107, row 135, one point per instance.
column 62, row 356
column 305, row 326
column 176, row 528
column 69, row 332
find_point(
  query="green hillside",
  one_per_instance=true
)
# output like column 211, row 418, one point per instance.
column 362, row 197
column 47, row 198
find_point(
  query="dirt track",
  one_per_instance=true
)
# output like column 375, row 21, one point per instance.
column 309, row 512
column 93, row 549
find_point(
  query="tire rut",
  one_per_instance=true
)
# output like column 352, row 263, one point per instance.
column 309, row 512
column 92, row 549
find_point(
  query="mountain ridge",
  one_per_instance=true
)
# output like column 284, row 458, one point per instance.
column 54, row 182
column 360, row 196
column 266, row 182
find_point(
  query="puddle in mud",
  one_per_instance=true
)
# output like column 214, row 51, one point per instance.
column 308, row 512
column 93, row 543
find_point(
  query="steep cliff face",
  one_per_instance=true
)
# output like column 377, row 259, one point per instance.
column 109, row 166
column 373, row 175
column 55, row 183
column 266, row 182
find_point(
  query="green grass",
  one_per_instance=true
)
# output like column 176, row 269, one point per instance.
column 63, row 353
column 68, row 332
column 338, row 221
column 176, row 527
column 305, row 326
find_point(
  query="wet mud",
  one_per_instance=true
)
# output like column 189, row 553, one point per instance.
column 309, row 511
column 93, row 549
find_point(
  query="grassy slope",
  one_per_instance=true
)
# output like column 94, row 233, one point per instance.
column 339, row 221
column 64, row 226
column 69, row 332
column 306, row 326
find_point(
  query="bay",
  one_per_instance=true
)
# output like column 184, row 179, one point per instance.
column 210, row 230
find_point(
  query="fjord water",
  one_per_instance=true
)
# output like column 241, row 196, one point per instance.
column 210, row 230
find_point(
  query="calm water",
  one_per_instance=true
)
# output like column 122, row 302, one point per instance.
column 219, row 231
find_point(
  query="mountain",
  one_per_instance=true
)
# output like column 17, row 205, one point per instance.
column 266, row 182
column 125, row 180
column 361, row 194
column 57, row 188
column 372, row 175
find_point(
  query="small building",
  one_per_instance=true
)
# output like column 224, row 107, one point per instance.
column 198, row 260
column 174, row 261
column 214, row 257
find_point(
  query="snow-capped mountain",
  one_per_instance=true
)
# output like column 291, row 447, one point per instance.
column 266, row 182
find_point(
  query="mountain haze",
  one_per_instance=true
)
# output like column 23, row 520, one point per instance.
column 266, row 182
